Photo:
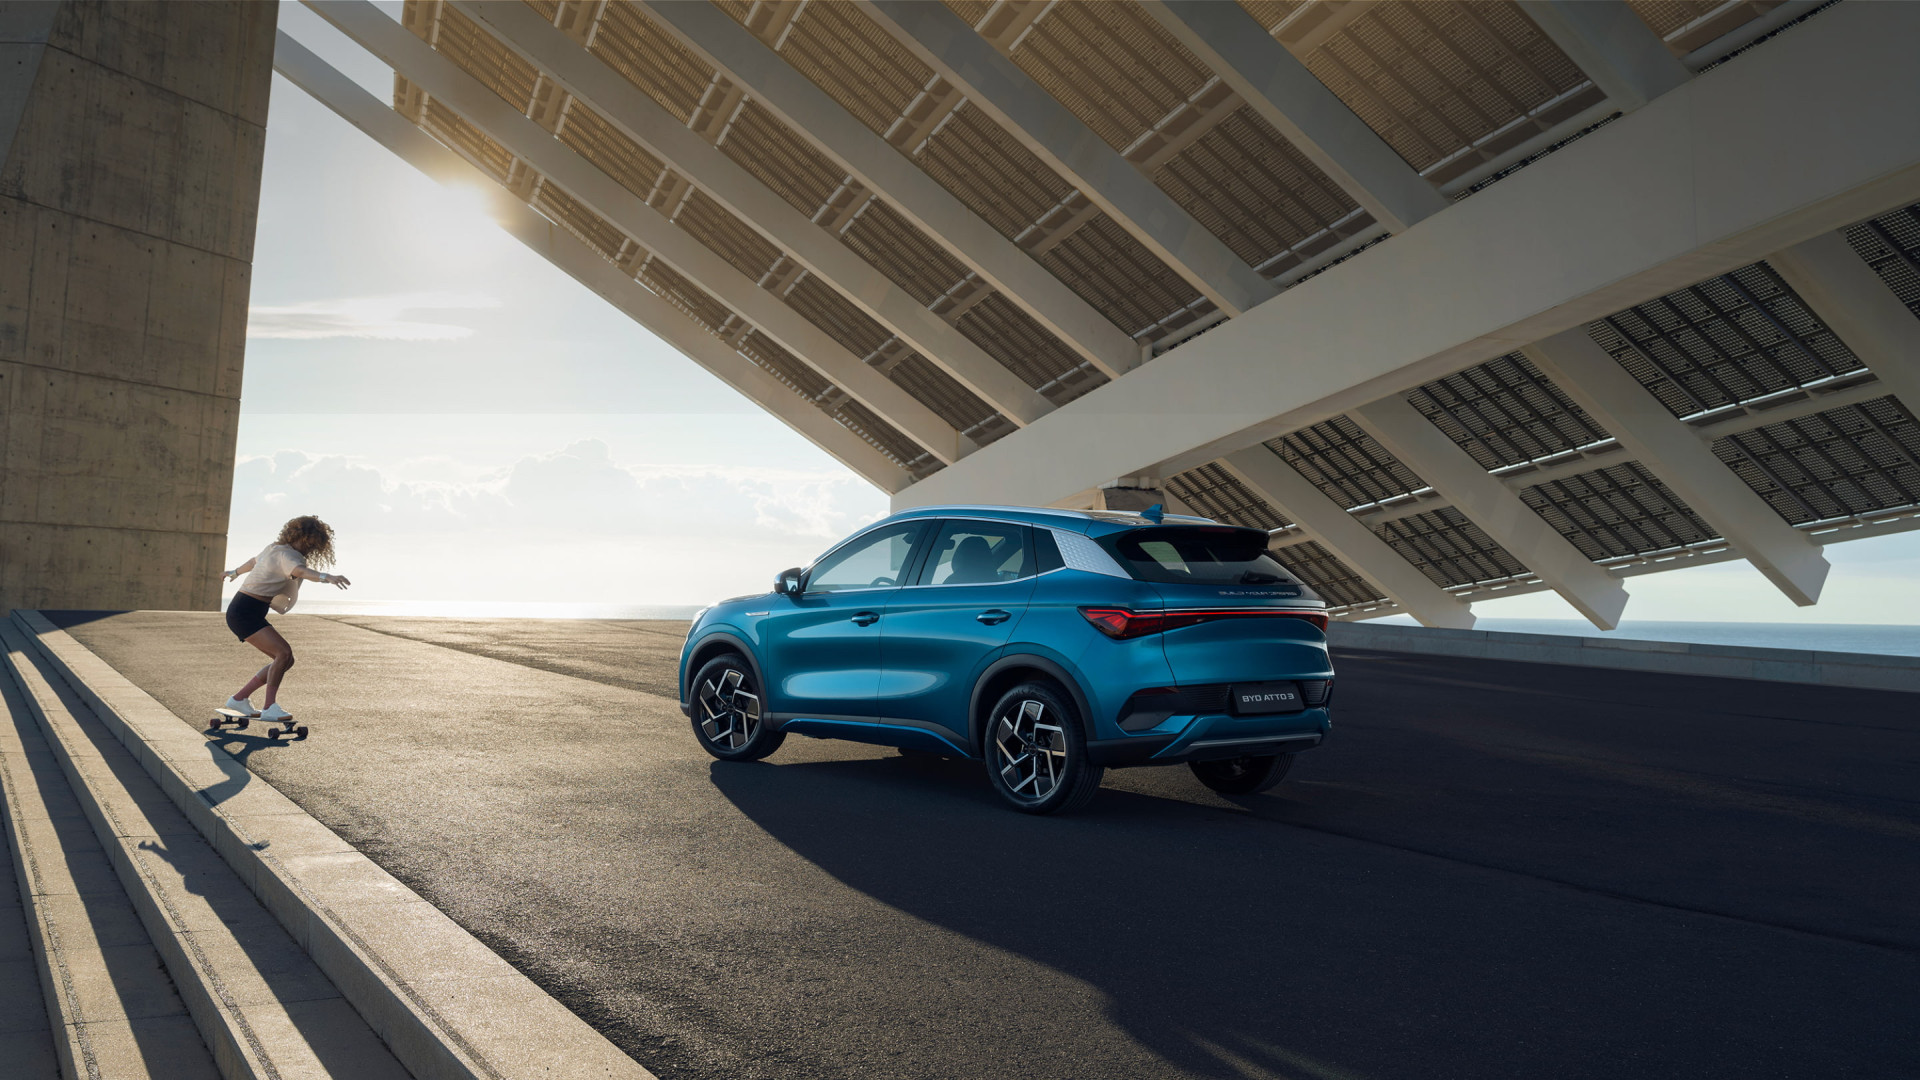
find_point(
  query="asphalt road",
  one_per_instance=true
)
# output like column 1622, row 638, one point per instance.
column 1491, row 870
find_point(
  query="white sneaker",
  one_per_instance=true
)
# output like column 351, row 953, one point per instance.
column 242, row 706
column 274, row 714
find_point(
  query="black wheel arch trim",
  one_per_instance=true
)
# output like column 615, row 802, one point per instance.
column 976, row 720
column 705, row 645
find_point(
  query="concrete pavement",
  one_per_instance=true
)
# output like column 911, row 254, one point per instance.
column 1492, row 869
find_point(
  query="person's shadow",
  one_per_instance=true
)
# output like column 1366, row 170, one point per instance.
column 238, row 747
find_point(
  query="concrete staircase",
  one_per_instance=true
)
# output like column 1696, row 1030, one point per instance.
column 152, row 955
column 181, row 918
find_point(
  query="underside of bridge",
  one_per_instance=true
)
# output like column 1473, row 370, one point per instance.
column 1457, row 300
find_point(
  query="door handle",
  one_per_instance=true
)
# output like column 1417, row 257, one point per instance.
column 865, row 618
column 994, row 617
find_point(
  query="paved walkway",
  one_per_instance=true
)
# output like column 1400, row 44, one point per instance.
column 1491, row 870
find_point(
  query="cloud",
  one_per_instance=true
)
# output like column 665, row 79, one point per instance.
column 365, row 317
column 571, row 525
column 573, row 490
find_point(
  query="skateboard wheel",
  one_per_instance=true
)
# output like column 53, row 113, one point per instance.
column 240, row 724
column 301, row 731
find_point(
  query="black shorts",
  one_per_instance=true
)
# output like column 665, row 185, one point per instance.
column 246, row 615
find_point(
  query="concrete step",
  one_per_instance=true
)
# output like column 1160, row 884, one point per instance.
column 83, row 991
column 262, row 1008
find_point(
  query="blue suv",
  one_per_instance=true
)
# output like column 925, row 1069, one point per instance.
column 1049, row 644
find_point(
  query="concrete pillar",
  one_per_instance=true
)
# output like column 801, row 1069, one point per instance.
column 128, row 194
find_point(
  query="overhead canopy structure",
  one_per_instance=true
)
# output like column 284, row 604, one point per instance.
column 1458, row 300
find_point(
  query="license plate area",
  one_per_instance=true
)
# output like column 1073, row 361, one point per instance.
column 1254, row 699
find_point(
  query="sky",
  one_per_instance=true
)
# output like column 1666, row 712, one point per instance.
column 480, row 428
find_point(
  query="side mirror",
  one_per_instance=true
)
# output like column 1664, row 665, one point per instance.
column 788, row 582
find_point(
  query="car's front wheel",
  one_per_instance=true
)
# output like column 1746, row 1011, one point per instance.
column 1243, row 775
column 727, row 715
column 1036, row 751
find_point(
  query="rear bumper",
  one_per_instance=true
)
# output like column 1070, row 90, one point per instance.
column 1210, row 738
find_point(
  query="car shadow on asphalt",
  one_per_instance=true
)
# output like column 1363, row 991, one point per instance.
column 1232, row 945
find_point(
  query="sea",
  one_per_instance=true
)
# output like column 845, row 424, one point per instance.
column 1895, row 640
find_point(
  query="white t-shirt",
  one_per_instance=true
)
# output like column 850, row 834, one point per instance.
column 272, row 576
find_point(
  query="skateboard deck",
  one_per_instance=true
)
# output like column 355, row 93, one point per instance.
column 232, row 718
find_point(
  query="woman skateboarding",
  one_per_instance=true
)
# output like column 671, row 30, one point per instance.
column 273, row 581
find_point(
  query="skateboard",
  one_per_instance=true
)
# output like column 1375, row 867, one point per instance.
column 229, row 718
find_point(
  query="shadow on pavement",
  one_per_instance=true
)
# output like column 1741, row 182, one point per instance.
column 1233, row 945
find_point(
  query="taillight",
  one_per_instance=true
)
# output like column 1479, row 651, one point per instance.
column 1124, row 623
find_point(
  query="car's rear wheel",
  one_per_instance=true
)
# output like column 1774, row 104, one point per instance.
column 728, row 718
column 1243, row 775
column 1036, row 751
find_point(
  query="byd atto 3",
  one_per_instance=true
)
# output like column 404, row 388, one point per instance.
column 1050, row 645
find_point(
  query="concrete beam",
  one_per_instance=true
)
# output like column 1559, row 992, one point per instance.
column 1285, row 94
column 1329, row 525
column 1654, row 201
column 1614, row 46
column 447, row 83
column 882, row 169
column 1839, row 287
column 585, row 265
column 647, row 122
column 996, row 86
column 1489, row 504
column 1677, row 454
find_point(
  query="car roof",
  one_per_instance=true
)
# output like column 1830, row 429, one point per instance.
column 1091, row 522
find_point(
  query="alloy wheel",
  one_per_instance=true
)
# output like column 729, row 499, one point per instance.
column 729, row 713
column 1030, row 750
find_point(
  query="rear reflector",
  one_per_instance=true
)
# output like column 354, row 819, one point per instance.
column 1123, row 623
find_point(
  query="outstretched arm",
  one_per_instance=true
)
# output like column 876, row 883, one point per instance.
column 238, row 570
column 338, row 580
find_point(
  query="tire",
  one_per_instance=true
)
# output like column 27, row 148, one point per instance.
column 1036, row 751
column 1242, row 775
column 728, row 719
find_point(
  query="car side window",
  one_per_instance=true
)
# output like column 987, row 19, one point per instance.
column 977, row 553
column 875, row 560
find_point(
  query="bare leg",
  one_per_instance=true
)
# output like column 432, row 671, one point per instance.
column 259, row 680
column 269, row 641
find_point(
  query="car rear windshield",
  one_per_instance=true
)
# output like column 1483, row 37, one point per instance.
column 1198, row 555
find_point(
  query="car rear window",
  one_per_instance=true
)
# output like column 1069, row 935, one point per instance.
column 1198, row 555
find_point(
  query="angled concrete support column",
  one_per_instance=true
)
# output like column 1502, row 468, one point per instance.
column 1850, row 298
column 880, row 168
column 1341, row 533
column 1614, row 46
column 585, row 265
column 1299, row 106
column 647, row 122
column 1481, row 496
column 996, row 86
column 1680, row 457
column 583, row 180
column 131, row 141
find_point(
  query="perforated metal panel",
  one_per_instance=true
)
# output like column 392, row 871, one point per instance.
column 1346, row 463
column 1853, row 460
column 1448, row 548
column 1505, row 412
column 1446, row 85
column 1617, row 511
column 1724, row 341
column 1215, row 492
column 1891, row 245
column 1334, row 580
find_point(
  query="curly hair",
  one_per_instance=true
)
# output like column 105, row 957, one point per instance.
column 311, row 537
